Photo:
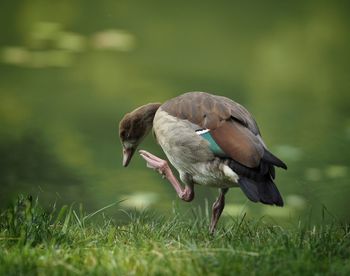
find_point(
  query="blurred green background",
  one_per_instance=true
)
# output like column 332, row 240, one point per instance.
column 69, row 70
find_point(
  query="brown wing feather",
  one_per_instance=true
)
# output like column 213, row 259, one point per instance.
column 231, row 125
column 239, row 143
column 207, row 110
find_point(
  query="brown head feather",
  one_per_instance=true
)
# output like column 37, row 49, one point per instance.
column 134, row 127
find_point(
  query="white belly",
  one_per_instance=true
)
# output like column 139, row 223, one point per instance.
column 213, row 175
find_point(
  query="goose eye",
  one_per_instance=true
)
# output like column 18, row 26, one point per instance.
column 122, row 133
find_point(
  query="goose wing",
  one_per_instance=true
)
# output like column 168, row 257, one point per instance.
column 230, row 125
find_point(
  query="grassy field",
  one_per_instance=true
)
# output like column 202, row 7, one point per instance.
column 67, row 241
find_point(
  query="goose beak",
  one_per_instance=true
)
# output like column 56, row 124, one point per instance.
column 127, row 154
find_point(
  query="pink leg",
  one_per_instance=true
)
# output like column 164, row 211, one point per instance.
column 162, row 166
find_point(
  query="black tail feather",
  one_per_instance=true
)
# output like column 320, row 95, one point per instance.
column 263, row 191
column 264, row 168
column 257, row 183
column 272, row 172
column 269, row 193
column 270, row 158
column 249, row 188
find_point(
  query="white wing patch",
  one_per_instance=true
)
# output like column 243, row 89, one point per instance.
column 230, row 173
column 202, row 131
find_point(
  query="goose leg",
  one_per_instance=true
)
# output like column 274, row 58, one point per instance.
column 217, row 209
column 162, row 166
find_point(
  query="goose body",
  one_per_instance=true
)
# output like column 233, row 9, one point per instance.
column 231, row 154
column 210, row 140
column 190, row 153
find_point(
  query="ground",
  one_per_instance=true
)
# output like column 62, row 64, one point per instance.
column 67, row 241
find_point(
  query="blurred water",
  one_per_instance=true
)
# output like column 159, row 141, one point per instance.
column 70, row 70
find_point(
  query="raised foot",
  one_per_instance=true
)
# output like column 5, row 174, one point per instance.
column 187, row 195
column 163, row 168
column 155, row 162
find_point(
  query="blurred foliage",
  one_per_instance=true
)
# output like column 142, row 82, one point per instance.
column 28, row 162
column 69, row 70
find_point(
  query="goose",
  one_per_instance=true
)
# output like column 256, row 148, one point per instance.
column 210, row 140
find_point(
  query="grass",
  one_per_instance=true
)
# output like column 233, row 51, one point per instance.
column 67, row 241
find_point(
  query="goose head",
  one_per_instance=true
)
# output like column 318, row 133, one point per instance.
column 134, row 127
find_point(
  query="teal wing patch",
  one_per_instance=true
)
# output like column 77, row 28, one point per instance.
column 214, row 147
